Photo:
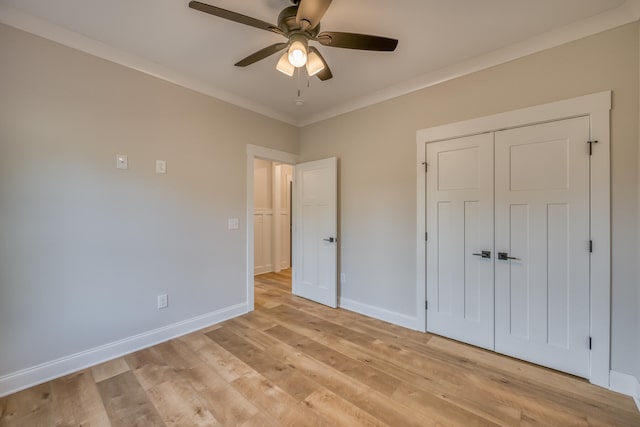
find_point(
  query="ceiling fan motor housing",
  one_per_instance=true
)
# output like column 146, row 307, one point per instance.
column 287, row 23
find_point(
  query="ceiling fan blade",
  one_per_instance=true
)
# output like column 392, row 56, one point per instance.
column 261, row 54
column 312, row 12
column 235, row 17
column 325, row 74
column 357, row 41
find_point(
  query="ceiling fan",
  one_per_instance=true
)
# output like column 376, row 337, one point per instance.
column 300, row 24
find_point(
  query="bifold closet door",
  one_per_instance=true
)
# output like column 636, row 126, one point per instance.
column 542, row 228
column 460, row 227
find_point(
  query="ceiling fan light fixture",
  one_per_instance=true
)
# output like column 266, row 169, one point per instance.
column 297, row 52
column 284, row 66
column 314, row 64
column 299, row 24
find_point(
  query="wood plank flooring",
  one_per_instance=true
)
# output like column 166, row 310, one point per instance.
column 295, row 363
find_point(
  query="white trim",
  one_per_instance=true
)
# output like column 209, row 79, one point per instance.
column 421, row 247
column 574, row 107
column 597, row 107
column 379, row 313
column 39, row 374
column 258, row 152
column 50, row 31
column 276, row 236
column 263, row 270
column 624, row 14
column 625, row 384
column 263, row 211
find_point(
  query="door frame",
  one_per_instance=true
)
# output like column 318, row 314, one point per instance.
column 258, row 152
column 597, row 107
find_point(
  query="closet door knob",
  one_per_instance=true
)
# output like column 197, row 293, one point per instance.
column 505, row 256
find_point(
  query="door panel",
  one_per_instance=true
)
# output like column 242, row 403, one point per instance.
column 315, row 241
column 520, row 290
column 542, row 220
column 460, row 224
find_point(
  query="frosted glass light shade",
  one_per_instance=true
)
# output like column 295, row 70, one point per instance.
column 297, row 53
column 284, row 66
column 314, row 64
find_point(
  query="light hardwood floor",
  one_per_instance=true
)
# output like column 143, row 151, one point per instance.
column 296, row 363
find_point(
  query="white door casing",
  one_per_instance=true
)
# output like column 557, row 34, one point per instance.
column 596, row 109
column 460, row 244
column 542, row 220
column 315, row 228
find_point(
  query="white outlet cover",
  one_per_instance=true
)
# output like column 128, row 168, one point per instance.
column 163, row 301
column 161, row 166
column 234, row 224
column 122, row 162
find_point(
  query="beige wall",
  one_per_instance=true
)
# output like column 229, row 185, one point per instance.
column 377, row 152
column 85, row 248
column 638, row 248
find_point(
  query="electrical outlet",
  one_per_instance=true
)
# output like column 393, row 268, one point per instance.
column 233, row 223
column 163, row 301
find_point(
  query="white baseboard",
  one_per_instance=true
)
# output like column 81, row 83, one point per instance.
column 263, row 269
column 379, row 313
column 39, row 374
column 625, row 384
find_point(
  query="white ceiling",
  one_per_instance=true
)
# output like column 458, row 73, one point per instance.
column 168, row 39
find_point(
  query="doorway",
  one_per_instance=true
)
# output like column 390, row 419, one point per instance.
column 315, row 240
column 272, row 212
column 273, row 157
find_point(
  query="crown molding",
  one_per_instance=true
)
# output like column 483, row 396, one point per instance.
column 72, row 39
column 624, row 14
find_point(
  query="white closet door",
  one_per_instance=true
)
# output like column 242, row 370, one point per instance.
column 542, row 223
column 459, row 225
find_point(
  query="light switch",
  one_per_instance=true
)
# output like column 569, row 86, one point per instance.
column 233, row 223
column 163, row 301
column 161, row 166
column 121, row 161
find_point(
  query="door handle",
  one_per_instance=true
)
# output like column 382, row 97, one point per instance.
column 330, row 240
column 484, row 254
column 505, row 256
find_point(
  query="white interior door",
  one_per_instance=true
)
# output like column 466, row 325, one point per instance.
column 315, row 231
column 460, row 228
column 542, row 224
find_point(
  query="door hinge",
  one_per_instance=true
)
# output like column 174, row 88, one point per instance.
column 426, row 236
column 590, row 342
column 590, row 246
column 426, row 166
column 591, row 146
column 426, row 305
